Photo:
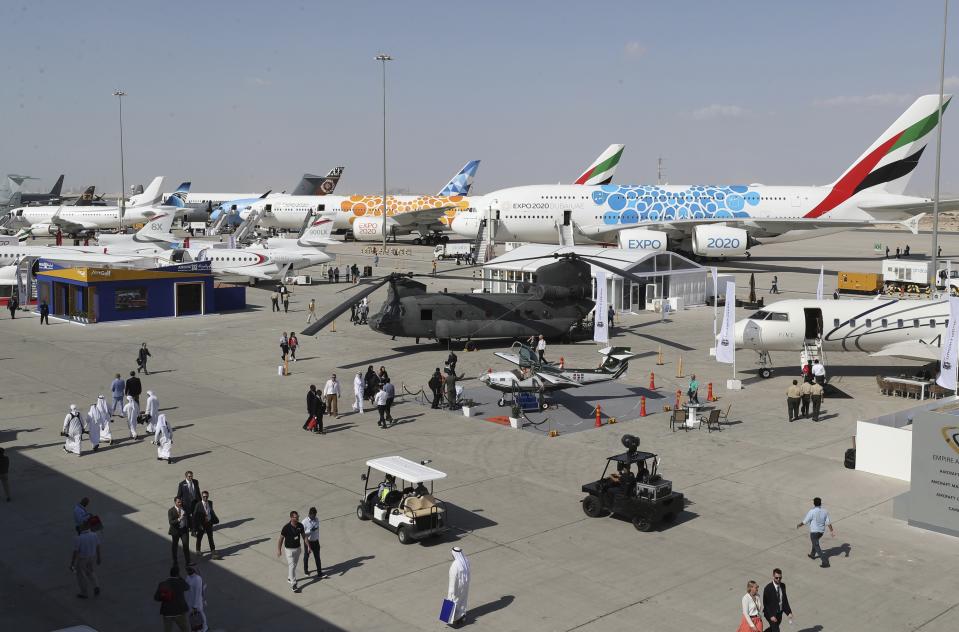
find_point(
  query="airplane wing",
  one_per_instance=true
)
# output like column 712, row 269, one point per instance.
column 421, row 217
column 909, row 208
column 252, row 272
column 509, row 357
column 556, row 380
column 71, row 226
column 909, row 350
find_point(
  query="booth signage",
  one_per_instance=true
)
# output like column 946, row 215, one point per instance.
column 934, row 490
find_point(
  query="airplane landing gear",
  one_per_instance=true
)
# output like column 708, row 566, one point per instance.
column 765, row 365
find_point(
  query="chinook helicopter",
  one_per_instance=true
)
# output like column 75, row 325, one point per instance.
column 550, row 306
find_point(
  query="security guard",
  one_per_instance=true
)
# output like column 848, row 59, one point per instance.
column 816, row 395
column 805, row 391
column 793, row 395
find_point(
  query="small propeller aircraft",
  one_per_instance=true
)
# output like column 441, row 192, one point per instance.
column 539, row 378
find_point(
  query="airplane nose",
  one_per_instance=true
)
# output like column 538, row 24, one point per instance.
column 458, row 225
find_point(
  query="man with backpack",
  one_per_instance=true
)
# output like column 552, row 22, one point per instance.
column 171, row 595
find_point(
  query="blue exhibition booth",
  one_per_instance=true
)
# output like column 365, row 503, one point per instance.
column 96, row 295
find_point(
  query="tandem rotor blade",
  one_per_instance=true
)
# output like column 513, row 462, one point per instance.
column 330, row 316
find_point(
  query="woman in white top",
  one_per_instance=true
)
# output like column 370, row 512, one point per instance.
column 752, row 610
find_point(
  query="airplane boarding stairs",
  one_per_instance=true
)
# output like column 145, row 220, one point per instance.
column 565, row 234
column 483, row 244
column 221, row 222
column 245, row 230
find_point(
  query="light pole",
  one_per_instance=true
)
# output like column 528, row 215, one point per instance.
column 383, row 57
column 119, row 94
column 934, row 273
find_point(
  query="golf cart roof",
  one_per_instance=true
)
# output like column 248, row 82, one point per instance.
column 405, row 469
column 635, row 457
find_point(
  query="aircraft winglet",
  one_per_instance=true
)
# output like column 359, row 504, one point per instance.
column 913, row 223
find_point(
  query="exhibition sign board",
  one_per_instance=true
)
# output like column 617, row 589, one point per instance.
column 934, row 490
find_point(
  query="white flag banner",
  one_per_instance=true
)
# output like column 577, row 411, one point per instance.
column 715, row 284
column 819, row 287
column 600, row 329
column 726, row 347
column 950, row 347
column 948, row 275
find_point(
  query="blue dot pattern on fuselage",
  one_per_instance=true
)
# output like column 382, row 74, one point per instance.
column 623, row 204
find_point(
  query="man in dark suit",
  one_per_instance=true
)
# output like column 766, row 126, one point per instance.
column 134, row 387
column 203, row 520
column 775, row 602
column 312, row 404
column 189, row 492
column 179, row 530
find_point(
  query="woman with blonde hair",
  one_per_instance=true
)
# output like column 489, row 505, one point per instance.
column 752, row 610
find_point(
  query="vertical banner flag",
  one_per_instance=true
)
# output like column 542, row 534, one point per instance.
column 726, row 347
column 950, row 347
column 948, row 275
column 600, row 330
column 715, row 272
column 819, row 287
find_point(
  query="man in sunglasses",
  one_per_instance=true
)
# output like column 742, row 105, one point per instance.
column 775, row 602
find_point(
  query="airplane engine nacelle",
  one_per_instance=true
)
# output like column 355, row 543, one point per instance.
column 43, row 229
column 642, row 239
column 370, row 228
column 719, row 241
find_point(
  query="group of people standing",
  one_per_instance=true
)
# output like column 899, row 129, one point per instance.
column 280, row 294
column 351, row 274
column 320, row 403
column 288, row 346
column 800, row 397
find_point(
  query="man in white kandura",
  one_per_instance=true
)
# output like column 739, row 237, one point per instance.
column 105, row 417
column 459, row 587
column 72, row 430
column 153, row 409
column 196, row 596
column 163, row 439
column 93, row 427
column 358, row 393
column 132, row 411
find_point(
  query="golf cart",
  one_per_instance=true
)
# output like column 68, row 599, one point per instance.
column 637, row 493
column 399, row 499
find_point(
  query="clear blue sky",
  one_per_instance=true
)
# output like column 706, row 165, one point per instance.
column 244, row 96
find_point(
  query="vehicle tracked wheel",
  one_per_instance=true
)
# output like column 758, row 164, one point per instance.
column 592, row 506
column 765, row 373
column 361, row 512
column 403, row 535
column 642, row 523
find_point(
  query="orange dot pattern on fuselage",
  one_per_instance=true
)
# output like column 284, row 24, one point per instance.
column 372, row 205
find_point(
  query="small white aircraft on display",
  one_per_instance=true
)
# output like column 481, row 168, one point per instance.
column 911, row 329
column 538, row 378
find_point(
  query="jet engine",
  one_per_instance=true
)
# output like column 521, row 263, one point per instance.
column 370, row 228
column 642, row 239
column 719, row 241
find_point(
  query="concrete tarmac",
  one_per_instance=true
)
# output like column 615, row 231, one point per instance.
column 538, row 563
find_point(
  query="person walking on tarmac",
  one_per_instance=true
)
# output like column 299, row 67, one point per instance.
column 436, row 387
column 275, row 300
column 450, row 389
column 793, row 395
column 12, row 304
column 816, row 395
column 142, row 356
column 451, row 362
column 805, row 393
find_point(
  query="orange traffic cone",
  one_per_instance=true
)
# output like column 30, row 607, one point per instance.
column 562, row 362
column 709, row 393
column 642, row 406
column 652, row 381
column 599, row 421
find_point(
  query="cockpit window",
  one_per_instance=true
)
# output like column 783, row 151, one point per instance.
column 778, row 316
column 760, row 315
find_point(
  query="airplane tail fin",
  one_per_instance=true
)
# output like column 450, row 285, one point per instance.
column 889, row 162
column 150, row 195
column 617, row 360
column 318, row 185
column 460, row 183
column 318, row 233
column 177, row 199
column 55, row 191
column 603, row 168
column 157, row 228
column 137, row 189
column 87, row 198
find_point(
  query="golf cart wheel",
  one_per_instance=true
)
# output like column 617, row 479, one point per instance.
column 361, row 512
column 592, row 506
column 765, row 373
column 544, row 406
column 642, row 523
column 403, row 535
column 501, row 402
column 417, row 241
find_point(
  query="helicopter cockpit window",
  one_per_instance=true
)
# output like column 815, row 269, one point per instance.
column 760, row 315
column 426, row 314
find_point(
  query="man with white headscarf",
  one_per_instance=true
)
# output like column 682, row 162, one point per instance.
column 93, row 427
column 196, row 596
column 132, row 411
column 459, row 587
column 163, row 438
column 358, row 393
column 72, row 430
column 153, row 409
column 103, row 410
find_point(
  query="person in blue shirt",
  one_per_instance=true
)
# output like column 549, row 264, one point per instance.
column 692, row 391
column 80, row 513
column 118, row 389
column 818, row 519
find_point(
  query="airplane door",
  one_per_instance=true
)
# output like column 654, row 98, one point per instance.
column 753, row 335
column 813, row 323
column 567, row 218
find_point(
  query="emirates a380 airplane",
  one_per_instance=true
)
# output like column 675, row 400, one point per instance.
column 722, row 220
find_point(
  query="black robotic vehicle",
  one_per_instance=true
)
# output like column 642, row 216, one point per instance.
column 634, row 490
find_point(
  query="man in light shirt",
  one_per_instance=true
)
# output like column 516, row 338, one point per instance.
column 86, row 551
column 331, row 391
column 818, row 519
column 541, row 349
column 818, row 372
column 312, row 528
